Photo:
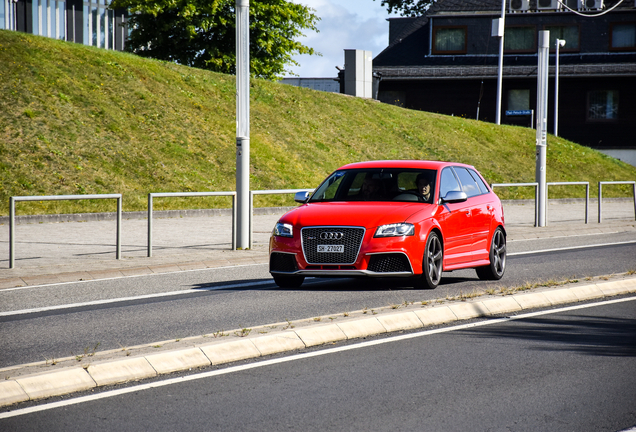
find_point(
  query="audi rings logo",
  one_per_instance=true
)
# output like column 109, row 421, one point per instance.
column 331, row 236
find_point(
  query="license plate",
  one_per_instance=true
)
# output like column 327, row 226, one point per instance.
column 331, row 248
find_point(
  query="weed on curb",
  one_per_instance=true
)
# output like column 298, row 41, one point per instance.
column 243, row 332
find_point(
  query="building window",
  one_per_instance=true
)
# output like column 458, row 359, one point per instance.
column 602, row 105
column 449, row 40
column 623, row 36
column 48, row 18
column 99, row 28
column 519, row 100
column 520, row 39
column 568, row 33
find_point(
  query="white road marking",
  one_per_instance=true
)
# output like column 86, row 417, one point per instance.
column 145, row 296
column 570, row 248
column 139, row 297
column 125, row 277
column 564, row 236
column 229, row 370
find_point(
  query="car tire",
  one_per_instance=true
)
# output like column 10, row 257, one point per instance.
column 289, row 281
column 497, row 256
column 432, row 263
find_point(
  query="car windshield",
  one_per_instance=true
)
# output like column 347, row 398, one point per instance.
column 377, row 184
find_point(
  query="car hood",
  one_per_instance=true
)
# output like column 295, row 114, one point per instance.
column 364, row 214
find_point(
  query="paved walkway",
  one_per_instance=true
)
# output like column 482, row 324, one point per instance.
column 63, row 252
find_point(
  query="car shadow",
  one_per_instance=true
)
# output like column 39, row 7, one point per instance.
column 597, row 336
column 325, row 284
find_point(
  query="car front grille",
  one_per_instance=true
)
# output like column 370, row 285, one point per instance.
column 351, row 238
column 389, row 263
column 282, row 262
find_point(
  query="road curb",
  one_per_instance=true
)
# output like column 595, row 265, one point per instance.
column 75, row 379
column 121, row 371
column 61, row 382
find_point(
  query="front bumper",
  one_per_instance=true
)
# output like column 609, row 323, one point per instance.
column 381, row 264
column 342, row 273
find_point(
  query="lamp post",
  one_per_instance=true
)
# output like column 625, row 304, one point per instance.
column 559, row 43
column 500, row 33
column 543, row 54
column 242, row 123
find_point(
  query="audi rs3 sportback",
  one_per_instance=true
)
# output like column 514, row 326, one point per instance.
column 412, row 219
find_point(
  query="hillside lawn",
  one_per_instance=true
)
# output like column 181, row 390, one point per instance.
column 81, row 120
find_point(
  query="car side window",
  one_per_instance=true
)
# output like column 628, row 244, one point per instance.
column 448, row 183
column 480, row 181
column 469, row 185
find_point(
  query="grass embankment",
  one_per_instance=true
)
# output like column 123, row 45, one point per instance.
column 79, row 120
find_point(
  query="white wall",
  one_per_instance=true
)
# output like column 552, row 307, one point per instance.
column 626, row 155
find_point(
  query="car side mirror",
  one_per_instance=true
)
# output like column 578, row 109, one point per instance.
column 301, row 197
column 455, row 197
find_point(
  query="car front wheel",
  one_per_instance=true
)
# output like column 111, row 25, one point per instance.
column 432, row 263
column 497, row 266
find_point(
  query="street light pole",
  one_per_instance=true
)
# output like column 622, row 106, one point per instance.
column 559, row 43
column 242, row 124
column 543, row 55
column 502, row 26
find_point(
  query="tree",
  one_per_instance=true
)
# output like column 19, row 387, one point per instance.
column 202, row 34
column 411, row 8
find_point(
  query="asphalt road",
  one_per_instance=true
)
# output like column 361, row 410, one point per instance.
column 568, row 370
column 222, row 299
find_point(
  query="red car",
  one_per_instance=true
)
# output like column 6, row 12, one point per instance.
column 411, row 219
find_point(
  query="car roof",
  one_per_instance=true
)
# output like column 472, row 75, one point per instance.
column 416, row 164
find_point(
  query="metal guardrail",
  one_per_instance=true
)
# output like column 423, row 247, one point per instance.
column 151, row 196
column 600, row 196
column 14, row 199
column 587, row 196
column 269, row 192
column 536, row 195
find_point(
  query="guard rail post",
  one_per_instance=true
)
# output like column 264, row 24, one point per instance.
column 269, row 192
column 119, row 212
column 151, row 196
column 587, row 196
column 536, row 195
column 14, row 199
column 600, row 196
column 11, row 232
column 149, row 251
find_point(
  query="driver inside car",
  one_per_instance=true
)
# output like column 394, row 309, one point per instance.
column 424, row 187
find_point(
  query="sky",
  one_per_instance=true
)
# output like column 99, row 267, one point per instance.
column 344, row 24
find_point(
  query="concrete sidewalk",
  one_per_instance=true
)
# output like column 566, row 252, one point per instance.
column 69, row 251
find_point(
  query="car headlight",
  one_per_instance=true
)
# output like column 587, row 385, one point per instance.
column 395, row 230
column 283, row 230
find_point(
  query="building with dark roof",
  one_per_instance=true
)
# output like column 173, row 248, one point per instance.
column 89, row 22
column 447, row 61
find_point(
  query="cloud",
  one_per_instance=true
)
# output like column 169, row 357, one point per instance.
column 352, row 27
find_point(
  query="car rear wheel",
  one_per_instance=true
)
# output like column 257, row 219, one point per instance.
column 289, row 281
column 497, row 266
column 432, row 263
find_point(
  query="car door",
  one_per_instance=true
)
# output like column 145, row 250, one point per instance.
column 486, row 217
column 478, row 203
column 455, row 221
